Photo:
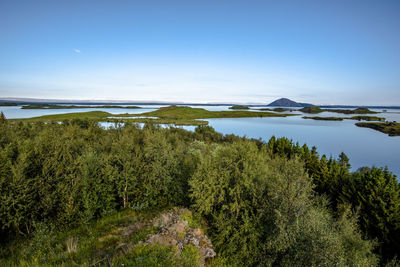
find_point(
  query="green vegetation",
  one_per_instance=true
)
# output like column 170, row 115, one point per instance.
column 175, row 115
column 162, row 121
column 390, row 128
column 102, row 116
column 3, row 118
column 358, row 118
column 315, row 110
column 367, row 118
column 324, row 118
column 121, row 237
column 377, row 193
column 72, row 193
column 239, row 107
column 263, row 212
column 92, row 115
column 277, row 109
column 50, row 106
column 281, row 109
column 188, row 113
column 355, row 111
column 354, row 190
column 8, row 104
column 311, row 110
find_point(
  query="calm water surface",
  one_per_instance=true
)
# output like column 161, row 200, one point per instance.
column 364, row 147
column 17, row 113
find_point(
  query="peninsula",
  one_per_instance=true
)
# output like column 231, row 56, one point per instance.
column 389, row 128
column 177, row 115
column 51, row 106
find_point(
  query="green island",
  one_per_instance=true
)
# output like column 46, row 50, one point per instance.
column 102, row 116
column 76, row 194
column 311, row 110
column 276, row 109
column 50, row 106
column 323, row 118
column 239, row 107
column 176, row 115
column 352, row 111
column 8, row 104
column 390, row 128
column 358, row 118
column 315, row 110
column 182, row 112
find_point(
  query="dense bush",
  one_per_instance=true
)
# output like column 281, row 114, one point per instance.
column 68, row 174
column 262, row 212
column 274, row 203
column 376, row 194
column 372, row 193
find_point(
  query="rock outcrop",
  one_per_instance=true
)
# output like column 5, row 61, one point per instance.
column 174, row 230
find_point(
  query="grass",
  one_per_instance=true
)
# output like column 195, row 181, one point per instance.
column 315, row 110
column 239, row 107
column 358, row 118
column 367, row 118
column 193, row 220
column 323, row 118
column 119, row 236
column 390, row 128
column 281, row 109
column 311, row 110
column 354, row 111
column 277, row 109
column 48, row 106
column 94, row 115
column 188, row 113
column 80, row 246
column 8, row 104
column 167, row 115
column 157, row 255
column 180, row 122
column 102, row 116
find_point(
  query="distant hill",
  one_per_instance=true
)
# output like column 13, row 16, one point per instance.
column 285, row 102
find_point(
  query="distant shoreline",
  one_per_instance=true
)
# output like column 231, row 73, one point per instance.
column 79, row 102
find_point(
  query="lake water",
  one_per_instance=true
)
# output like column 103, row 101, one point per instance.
column 364, row 146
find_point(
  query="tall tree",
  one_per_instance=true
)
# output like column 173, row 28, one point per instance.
column 2, row 118
column 376, row 193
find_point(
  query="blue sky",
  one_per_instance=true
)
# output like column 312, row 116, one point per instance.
column 322, row 52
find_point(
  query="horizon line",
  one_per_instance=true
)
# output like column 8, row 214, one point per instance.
column 149, row 102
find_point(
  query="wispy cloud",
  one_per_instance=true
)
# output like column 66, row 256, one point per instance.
column 77, row 51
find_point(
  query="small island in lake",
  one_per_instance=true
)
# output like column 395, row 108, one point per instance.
column 311, row 110
column 50, row 106
column 239, row 107
column 390, row 128
column 8, row 104
column 358, row 118
column 315, row 110
column 277, row 109
column 177, row 115
column 349, row 111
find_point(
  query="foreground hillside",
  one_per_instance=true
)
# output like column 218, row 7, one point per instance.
column 73, row 193
column 128, row 238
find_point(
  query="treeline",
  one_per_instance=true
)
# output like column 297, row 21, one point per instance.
column 274, row 203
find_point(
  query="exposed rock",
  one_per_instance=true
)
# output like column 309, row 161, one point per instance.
column 175, row 231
